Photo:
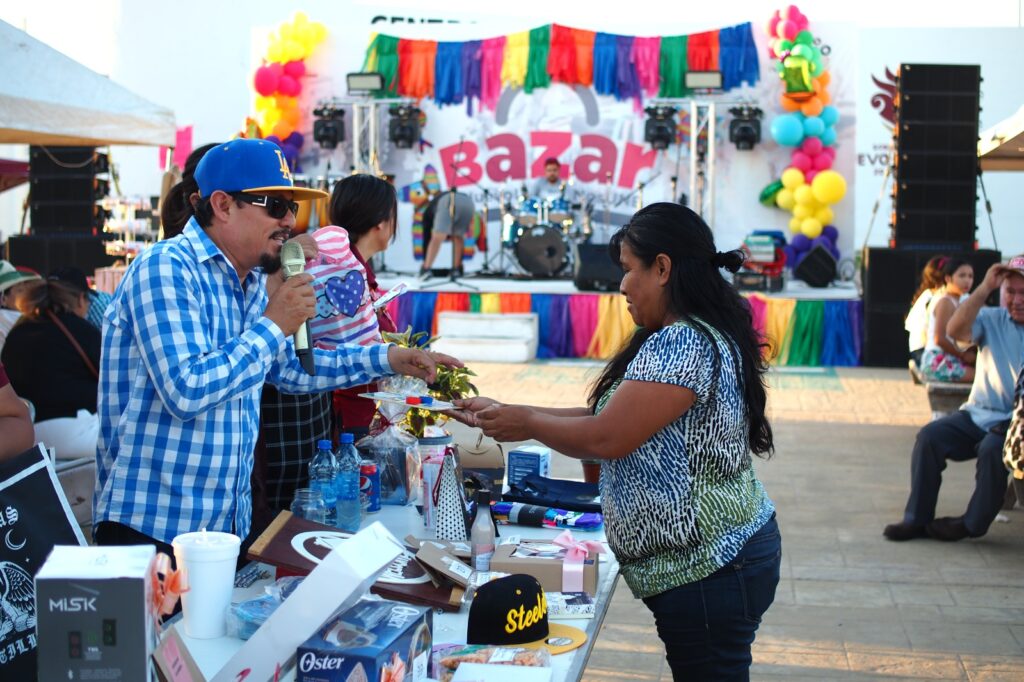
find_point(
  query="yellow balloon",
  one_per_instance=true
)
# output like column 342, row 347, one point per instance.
column 300, row 19
column 264, row 103
column 803, row 195
column 829, row 187
column 319, row 32
column 802, row 211
column 792, row 178
column 269, row 118
column 825, row 215
column 284, row 103
column 811, row 227
column 784, row 199
column 286, row 32
column 292, row 51
column 274, row 52
column 794, row 225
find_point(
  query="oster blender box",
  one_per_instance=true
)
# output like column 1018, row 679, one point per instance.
column 94, row 613
column 374, row 641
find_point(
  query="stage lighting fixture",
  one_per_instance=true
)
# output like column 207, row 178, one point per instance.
column 404, row 128
column 364, row 82
column 329, row 126
column 660, row 128
column 745, row 127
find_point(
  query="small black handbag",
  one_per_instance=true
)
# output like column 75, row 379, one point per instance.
column 553, row 492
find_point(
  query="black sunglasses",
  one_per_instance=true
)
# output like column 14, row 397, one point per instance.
column 276, row 208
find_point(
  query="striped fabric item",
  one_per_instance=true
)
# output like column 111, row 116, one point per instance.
column 342, row 294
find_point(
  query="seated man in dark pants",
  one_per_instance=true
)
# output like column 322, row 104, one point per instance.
column 978, row 429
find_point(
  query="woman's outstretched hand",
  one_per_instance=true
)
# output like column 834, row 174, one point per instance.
column 468, row 408
column 505, row 423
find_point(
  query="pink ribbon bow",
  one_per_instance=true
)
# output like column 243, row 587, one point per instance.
column 576, row 552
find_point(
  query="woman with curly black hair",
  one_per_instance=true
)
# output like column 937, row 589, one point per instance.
column 673, row 420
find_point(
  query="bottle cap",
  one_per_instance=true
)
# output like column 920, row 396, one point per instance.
column 483, row 497
column 324, row 444
column 426, row 400
column 347, row 438
column 413, row 400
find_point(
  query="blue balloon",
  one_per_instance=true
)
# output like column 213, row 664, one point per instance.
column 821, row 241
column 790, row 254
column 830, row 115
column 831, row 233
column 275, row 139
column 295, row 139
column 828, row 138
column 787, row 130
column 834, row 250
column 813, row 126
column 800, row 243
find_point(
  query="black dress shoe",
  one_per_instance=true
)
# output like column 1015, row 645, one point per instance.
column 947, row 529
column 900, row 532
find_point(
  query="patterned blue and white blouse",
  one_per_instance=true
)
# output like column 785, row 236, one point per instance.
column 685, row 502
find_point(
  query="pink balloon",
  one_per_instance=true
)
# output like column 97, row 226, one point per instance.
column 791, row 12
column 296, row 69
column 771, row 52
column 830, row 152
column 811, row 146
column 288, row 86
column 809, row 175
column 822, row 162
column 802, row 23
column 276, row 68
column 773, row 24
column 801, row 161
column 265, row 81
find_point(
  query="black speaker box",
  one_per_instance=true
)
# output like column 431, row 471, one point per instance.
column 818, row 267
column 941, row 78
column 72, row 188
column 931, row 195
column 937, row 167
column 66, row 161
column 45, row 253
column 73, row 217
column 594, row 270
column 934, row 230
column 885, row 339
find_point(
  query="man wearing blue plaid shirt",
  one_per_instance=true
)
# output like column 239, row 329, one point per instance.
column 188, row 342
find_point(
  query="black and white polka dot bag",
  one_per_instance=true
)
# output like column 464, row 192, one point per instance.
column 450, row 502
column 1013, row 446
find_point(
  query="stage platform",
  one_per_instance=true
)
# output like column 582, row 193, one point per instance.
column 804, row 326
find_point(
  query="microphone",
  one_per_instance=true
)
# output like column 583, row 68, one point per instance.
column 293, row 262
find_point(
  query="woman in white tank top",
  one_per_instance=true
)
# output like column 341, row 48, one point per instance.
column 943, row 360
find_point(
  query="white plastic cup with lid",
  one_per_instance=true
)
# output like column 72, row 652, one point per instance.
column 209, row 560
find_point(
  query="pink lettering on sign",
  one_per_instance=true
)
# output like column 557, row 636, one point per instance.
column 552, row 145
column 459, row 163
column 596, row 167
column 508, row 166
column 633, row 161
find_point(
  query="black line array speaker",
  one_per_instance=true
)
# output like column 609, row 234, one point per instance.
column 47, row 252
column 594, row 270
column 936, row 163
column 890, row 277
column 65, row 190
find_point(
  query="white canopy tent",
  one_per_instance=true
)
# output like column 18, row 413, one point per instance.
column 47, row 98
column 1001, row 147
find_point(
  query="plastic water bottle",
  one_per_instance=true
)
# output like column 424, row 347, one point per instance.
column 323, row 470
column 350, row 509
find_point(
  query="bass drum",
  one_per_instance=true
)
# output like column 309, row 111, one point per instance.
column 542, row 250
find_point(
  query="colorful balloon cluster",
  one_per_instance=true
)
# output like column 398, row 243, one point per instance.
column 809, row 187
column 278, row 82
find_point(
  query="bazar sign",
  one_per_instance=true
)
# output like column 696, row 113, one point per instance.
column 503, row 158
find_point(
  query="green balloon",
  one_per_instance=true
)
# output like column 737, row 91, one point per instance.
column 767, row 196
column 800, row 50
column 780, row 68
column 785, row 45
column 816, row 66
column 804, row 37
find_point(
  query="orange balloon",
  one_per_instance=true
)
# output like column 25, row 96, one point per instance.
column 824, row 97
column 291, row 117
column 811, row 107
column 284, row 102
column 788, row 103
column 283, row 129
column 824, row 79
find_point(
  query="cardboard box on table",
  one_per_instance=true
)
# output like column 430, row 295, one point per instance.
column 549, row 572
column 94, row 615
column 373, row 640
column 341, row 578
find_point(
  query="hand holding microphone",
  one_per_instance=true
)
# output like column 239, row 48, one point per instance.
column 294, row 303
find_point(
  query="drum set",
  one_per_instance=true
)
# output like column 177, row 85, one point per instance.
column 540, row 233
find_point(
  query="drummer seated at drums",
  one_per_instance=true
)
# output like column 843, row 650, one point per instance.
column 453, row 214
column 551, row 186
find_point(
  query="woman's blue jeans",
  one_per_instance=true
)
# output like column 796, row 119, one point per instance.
column 708, row 626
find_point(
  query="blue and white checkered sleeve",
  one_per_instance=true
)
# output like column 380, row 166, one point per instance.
column 169, row 321
column 343, row 366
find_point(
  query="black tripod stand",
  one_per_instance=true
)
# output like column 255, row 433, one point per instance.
column 453, row 278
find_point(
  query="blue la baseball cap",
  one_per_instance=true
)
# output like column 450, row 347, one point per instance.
column 249, row 165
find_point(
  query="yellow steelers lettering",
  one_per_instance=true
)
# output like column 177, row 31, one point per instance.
column 285, row 172
column 520, row 618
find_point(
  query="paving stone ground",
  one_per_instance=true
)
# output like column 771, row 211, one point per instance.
column 851, row 605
